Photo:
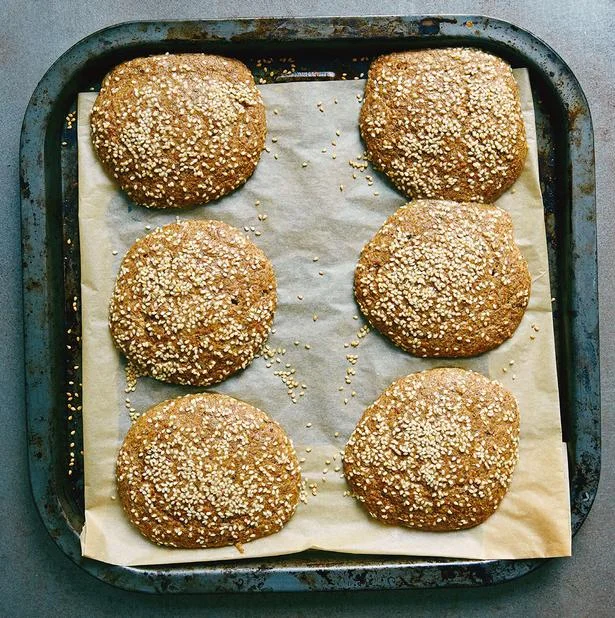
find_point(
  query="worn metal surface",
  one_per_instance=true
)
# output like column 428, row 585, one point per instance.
column 51, row 274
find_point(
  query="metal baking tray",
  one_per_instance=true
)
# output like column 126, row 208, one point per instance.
column 322, row 48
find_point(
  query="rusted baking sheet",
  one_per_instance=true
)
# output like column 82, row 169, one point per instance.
column 323, row 48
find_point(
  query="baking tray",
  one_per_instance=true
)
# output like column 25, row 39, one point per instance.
column 322, row 48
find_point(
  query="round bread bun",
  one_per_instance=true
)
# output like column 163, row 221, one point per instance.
column 193, row 302
column 179, row 130
column 436, row 451
column 443, row 279
column 207, row 470
column 444, row 123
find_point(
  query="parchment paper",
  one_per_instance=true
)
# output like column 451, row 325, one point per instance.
column 318, row 210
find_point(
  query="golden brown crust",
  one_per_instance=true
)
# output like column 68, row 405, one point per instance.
column 179, row 130
column 444, row 123
column 193, row 302
column 444, row 279
column 207, row 470
column 436, row 451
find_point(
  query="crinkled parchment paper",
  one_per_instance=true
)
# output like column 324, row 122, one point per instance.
column 319, row 211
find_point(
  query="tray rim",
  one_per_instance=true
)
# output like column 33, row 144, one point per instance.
column 224, row 577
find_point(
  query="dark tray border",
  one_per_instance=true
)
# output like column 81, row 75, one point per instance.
column 310, row 571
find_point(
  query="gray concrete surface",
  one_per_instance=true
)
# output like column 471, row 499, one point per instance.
column 35, row 578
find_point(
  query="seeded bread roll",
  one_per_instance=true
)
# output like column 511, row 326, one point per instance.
column 436, row 451
column 444, row 123
column 193, row 302
column 444, row 279
column 179, row 130
column 207, row 470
